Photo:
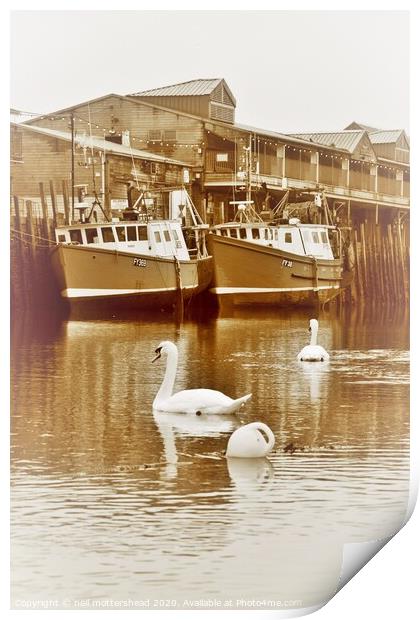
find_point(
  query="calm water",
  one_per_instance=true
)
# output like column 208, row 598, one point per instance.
column 111, row 501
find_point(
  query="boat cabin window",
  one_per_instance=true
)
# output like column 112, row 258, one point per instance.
column 121, row 233
column 167, row 235
column 288, row 237
column 255, row 233
column 224, row 232
column 61, row 238
column 234, row 232
column 142, row 230
column 324, row 237
column 157, row 237
column 266, row 234
column 131, row 233
column 92, row 235
column 175, row 234
column 242, row 233
column 276, row 235
column 108, row 234
column 76, row 235
column 315, row 237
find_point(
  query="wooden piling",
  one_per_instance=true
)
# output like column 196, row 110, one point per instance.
column 53, row 203
column 30, row 226
column 357, row 254
column 17, row 213
column 44, row 207
column 65, row 188
column 401, row 260
column 364, row 262
column 392, row 266
column 380, row 263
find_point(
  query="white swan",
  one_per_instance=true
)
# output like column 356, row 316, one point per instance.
column 249, row 442
column 313, row 352
column 189, row 401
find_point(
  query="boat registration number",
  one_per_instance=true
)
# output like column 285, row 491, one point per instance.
column 139, row 262
column 287, row 263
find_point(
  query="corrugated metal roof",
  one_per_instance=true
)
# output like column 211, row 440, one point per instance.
column 385, row 136
column 101, row 145
column 193, row 87
column 270, row 134
column 19, row 116
column 346, row 140
column 356, row 125
column 264, row 132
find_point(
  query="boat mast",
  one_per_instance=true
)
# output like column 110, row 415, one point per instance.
column 249, row 170
column 72, row 165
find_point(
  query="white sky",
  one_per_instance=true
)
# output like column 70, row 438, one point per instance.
column 290, row 71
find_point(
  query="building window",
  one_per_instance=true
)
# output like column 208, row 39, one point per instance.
column 16, row 145
column 169, row 135
column 155, row 168
column 222, row 157
column 155, row 135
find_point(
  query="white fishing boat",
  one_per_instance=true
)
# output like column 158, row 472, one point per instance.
column 264, row 262
column 131, row 263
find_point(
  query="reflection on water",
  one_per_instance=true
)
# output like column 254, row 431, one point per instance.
column 113, row 500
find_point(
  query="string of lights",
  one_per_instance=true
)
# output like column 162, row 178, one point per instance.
column 111, row 131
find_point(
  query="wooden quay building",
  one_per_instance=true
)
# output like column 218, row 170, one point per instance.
column 361, row 170
column 186, row 134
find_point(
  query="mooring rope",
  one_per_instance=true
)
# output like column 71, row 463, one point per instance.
column 21, row 232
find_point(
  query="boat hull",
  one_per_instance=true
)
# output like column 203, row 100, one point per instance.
column 247, row 273
column 94, row 277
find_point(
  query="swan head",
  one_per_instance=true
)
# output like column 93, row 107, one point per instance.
column 164, row 347
column 313, row 325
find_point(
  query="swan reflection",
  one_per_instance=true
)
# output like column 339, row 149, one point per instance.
column 316, row 376
column 191, row 425
column 249, row 474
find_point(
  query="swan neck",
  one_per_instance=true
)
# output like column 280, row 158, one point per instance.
column 314, row 335
column 166, row 389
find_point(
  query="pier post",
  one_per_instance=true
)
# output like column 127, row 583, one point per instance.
column 65, row 187
column 44, row 207
column 53, row 203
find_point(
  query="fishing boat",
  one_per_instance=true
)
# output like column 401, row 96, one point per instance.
column 132, row 262
column 257, row 262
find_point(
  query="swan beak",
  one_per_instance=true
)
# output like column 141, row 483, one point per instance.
column 157, row 356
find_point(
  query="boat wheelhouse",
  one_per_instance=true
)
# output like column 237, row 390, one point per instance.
column 139, row 264
column 282, row 264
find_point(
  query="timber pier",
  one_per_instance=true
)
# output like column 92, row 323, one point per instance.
column 108, row 154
